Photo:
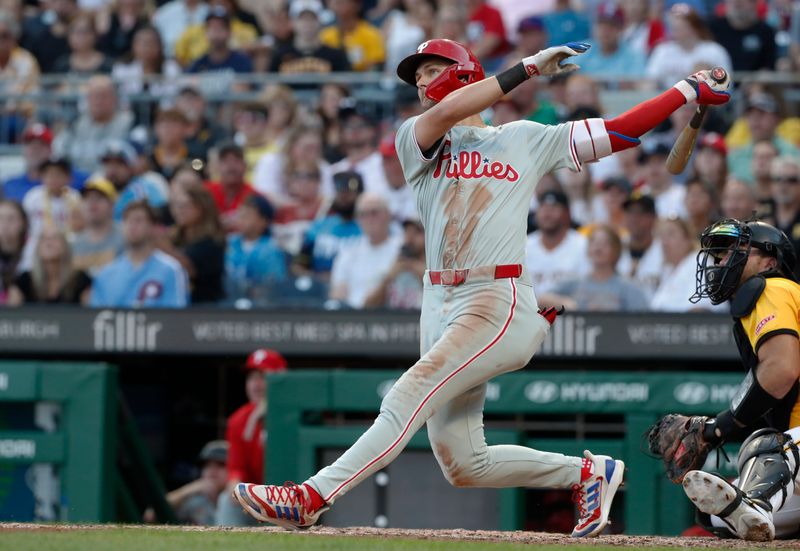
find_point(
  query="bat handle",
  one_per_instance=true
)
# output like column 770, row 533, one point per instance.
column 699, row 115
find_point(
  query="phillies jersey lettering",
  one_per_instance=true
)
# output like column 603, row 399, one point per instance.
column 473, row 192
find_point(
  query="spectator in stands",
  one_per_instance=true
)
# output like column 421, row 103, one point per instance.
column 644, row 28
column 642, row 258
column 85, row 139
column 197, row 241
column 221, row 58
column 764, row 153
column 609, row 54
column 603, row 289
column 486, row 33
column 614, row 192
column 83, row 59
column 45, row 34
column 566, row 24
column 203, row 132
column 143, row 276
column 169, row 151
column 194, row 42
column 51, row 279
column 702, row 205
column 451, row 23
column 53, row 202
column 245, row 434
column 19, row 75
column 13, row 235
column 401, row 288
column 659, row 183
column 101, row 240
column 749, row 41
column 253, row 260
column 585, row 205
column 738, row 200
column 691, row 45
column 359, row 143
column 303, row 152
column 555, row 251
column 328, row 236
column 36, row 149
column 709, row 163
column 786, row 196
column 232, row 188
column 679, row 243
column 118, row 27
column 331, row 97
column 195, row 503
column 174, row 17
column 118, row 161
column 362, row 41
column 763, row 115
column 137, row 73
column 402, row 203
column 581, row 94
column 305, row 203
column 306, row 54
column 361, row 265
column 531, row 38
column 406, row 27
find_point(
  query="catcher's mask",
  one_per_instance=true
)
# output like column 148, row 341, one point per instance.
column 725, row 248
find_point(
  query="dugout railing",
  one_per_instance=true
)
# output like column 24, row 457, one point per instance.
column 308, row 413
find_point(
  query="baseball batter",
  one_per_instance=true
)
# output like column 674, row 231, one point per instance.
column 473, row 184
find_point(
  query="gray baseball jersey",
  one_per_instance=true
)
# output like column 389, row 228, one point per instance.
column 473, row 191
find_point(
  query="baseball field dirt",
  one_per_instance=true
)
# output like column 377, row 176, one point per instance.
column 71, row 537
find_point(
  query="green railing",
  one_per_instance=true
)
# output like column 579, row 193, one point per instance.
column 653, row 505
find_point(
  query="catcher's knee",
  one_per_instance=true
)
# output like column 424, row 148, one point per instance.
column 766, row 441
column 767, row 464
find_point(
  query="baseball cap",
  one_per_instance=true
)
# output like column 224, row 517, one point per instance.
column 218, row 12
column 58, row 162
column 266, row 360
column 554, row 197
column 637, row 198
column 120, row 151
column 413, row 220
column 299, row 7
column 653, row 149
column 230, row 147
column 349, row 108
column 101, row 185
column 610, row 12
column 763, row 102
column 715, row 141
column 531, row 23
column 216, row 450
column 618, row 182
column 39, row 132
column 349, row 180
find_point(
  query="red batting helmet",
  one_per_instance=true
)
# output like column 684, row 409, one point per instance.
column 266, row 360
column 466, row 68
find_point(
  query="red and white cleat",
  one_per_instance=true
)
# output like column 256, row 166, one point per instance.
column 289, row 506
column 600, row 479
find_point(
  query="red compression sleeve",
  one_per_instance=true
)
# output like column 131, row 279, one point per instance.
column 627, row 127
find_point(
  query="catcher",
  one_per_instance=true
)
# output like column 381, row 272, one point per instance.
column 751, row 265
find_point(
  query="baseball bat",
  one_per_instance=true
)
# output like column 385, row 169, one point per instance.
column 682, row 149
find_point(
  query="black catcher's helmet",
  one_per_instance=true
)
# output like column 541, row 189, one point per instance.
column 718, row 281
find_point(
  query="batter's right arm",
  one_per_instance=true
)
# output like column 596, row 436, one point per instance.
column 474, row 98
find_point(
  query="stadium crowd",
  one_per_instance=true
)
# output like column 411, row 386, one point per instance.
column 298, row 198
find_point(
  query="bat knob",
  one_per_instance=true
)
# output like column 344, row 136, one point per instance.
column 719, row 74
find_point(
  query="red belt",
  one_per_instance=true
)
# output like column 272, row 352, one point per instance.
column 457, row 277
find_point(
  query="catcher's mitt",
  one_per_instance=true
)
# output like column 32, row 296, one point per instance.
column 678, row 441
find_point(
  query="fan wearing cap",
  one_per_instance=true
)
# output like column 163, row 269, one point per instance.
column 195, row 503
column 610, row 55
column 763, row 114
column 659, row 183
column 709, row 162
column 245, row 431
column 785, row 176
column 555, row 251
column 52, row 202
column 101, row 240
column 37, row 141
column 170, row 150
column 252, row 258
column 326, row 237
column 306, row 53
column 222, row 54
column 118, row 161
column 194, row 42
column 232, row 188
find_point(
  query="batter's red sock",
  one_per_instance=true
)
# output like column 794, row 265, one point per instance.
column 587, row 469
column 642, row 118
column 317, row 502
